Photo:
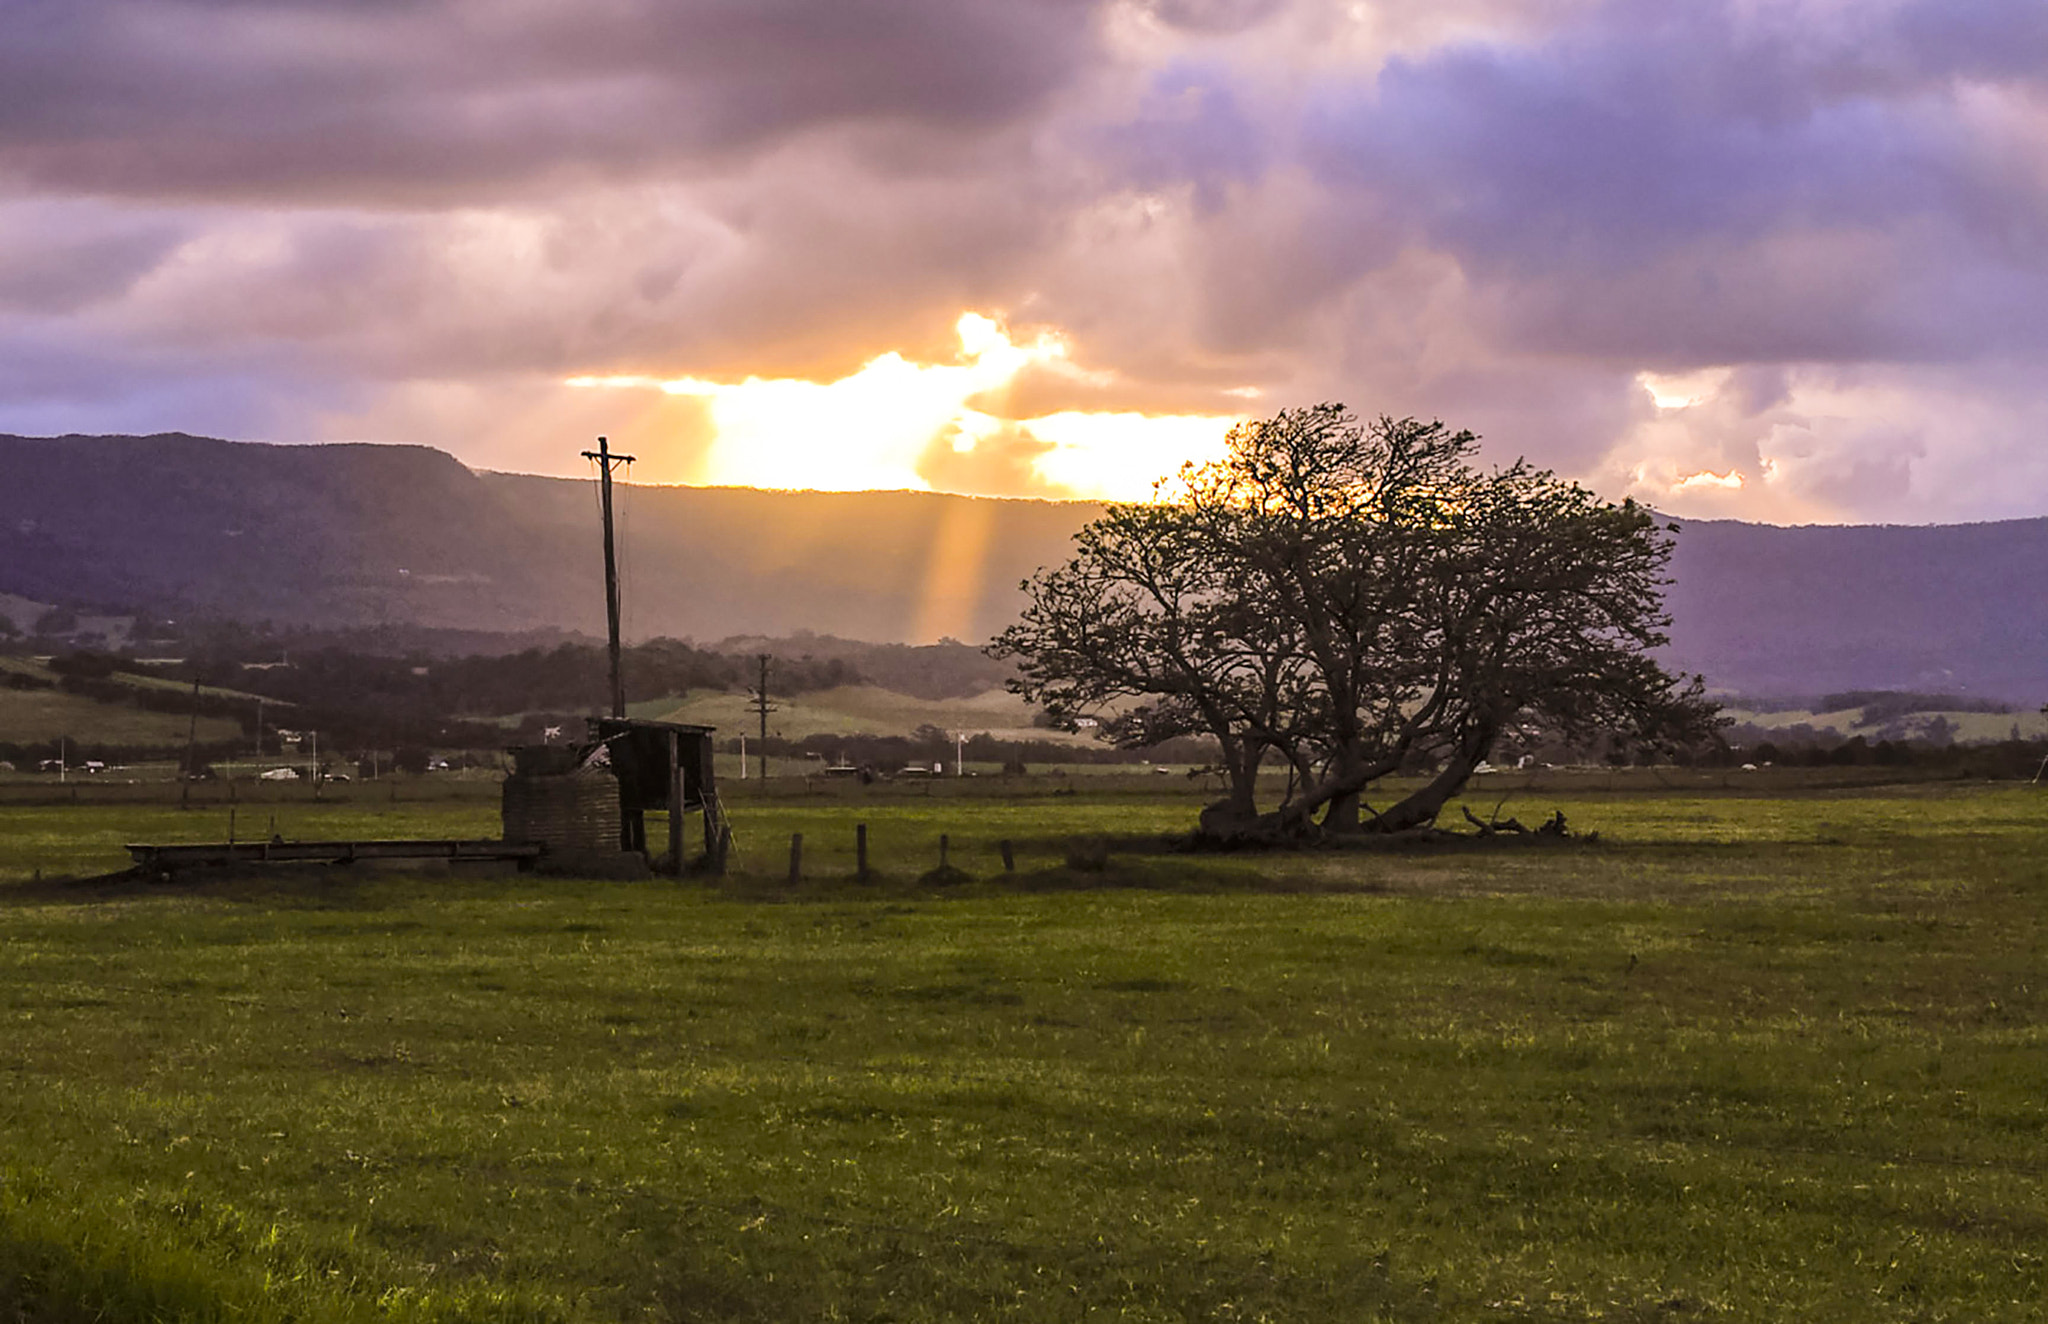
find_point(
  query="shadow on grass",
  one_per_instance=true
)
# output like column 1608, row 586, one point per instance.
column 1192, row 875
column 296, row 886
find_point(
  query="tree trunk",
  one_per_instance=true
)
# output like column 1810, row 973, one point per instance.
column 1236, row 816
column 1340, row 787
column 1422, row 808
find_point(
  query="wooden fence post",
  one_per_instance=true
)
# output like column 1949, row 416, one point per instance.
column 1009, row 860
column 860, row 851
column 796, row 857
column 675, row 803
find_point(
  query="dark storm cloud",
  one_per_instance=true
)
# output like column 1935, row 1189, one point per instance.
column 437, row 101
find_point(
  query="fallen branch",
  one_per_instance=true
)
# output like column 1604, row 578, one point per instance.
column 1496, row 825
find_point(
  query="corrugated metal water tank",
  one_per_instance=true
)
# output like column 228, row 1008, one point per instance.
column 561, row 798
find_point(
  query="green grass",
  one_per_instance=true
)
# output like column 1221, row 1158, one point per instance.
column 1741, row 1059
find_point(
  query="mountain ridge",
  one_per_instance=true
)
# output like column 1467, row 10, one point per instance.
column 366, row 535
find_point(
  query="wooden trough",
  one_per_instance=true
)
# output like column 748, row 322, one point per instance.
column 171, row 859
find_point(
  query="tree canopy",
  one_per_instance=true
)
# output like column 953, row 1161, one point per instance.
column 1347, row 600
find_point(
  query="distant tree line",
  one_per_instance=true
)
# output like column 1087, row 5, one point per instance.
column 364, row 700
column 1881, row 706
column 929, row 744
column 566, row 678
column 2002, row 760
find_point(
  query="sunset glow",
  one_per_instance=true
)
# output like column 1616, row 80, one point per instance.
column 1683, row 390
column 880, row 428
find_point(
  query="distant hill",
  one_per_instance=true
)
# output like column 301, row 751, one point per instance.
column 368, row 537
column 355, row 536
column 1955, row 609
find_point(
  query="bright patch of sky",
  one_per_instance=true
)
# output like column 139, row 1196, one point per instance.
column 874, row 429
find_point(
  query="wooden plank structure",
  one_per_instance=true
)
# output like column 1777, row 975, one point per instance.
column 170, row 859
column 595, row 797
column 663, row 766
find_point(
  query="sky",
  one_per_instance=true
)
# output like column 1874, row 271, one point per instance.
column 1781, row 260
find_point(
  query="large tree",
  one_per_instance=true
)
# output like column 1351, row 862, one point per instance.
column 1350, row 600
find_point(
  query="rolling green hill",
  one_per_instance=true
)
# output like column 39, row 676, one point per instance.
column 35, row 715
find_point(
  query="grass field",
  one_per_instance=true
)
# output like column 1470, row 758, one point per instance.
column 1743, row 1058
column 28, row 716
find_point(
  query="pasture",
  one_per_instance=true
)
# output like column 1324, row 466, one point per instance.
column 1745, row 1057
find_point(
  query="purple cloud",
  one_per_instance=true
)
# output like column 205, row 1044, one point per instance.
column 438, row 102
column 413, row 221
column 1653, row 181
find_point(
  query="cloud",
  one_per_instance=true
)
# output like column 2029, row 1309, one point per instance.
column 1819, row 444
column 1678, row 180
column 462, row 100
column 415, row 222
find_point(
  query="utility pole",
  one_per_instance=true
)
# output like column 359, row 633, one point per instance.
column 762, row 708
column 606, row 461
column 192, row 732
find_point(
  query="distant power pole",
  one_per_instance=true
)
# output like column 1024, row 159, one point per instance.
column 762, row 708
column 606, row 462
column 192, row 731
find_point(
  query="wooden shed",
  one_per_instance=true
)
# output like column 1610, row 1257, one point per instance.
column 592, row 798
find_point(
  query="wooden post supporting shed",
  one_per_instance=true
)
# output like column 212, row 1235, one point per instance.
column 665, row 766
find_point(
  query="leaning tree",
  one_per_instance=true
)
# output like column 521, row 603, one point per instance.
column 1347, row 601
